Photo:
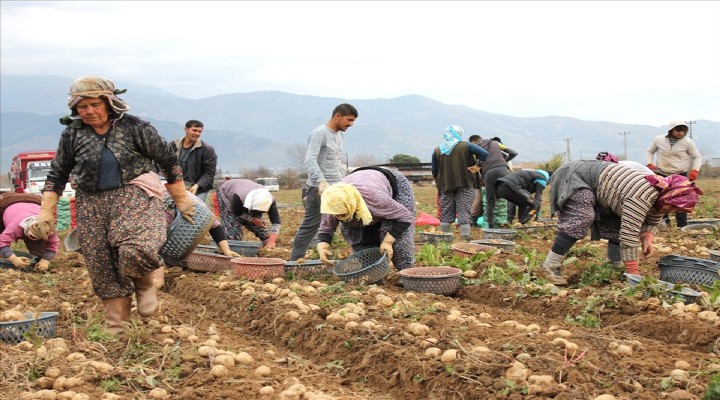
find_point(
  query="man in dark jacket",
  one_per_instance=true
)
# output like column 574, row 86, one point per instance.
column 524, row 189
column 197, row 159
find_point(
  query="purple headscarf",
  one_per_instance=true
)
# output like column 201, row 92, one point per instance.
column 675, row 190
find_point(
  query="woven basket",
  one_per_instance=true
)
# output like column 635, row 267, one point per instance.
column 364, row 266
column 697, row 271
column 470, row 249
column 688, row 294
column 534, row 228
column 203, row 248
column 5, row 263
column 713, row 221
column 252, row 268
column 436, row 280
column 244, row 248
column 207, row 262
column 182, row 236
column 714, row 255
column 71, row 241
column 506, row 234
column 44, row 325
column 506, row 246
column 308, row 267
column 436, row 237
column 696, row 229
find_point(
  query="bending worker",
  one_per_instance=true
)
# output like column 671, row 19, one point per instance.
column 374, row 207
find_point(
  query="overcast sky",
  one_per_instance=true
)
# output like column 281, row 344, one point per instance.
column 645, row 62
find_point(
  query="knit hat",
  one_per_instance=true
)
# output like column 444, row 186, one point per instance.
column 91, row 86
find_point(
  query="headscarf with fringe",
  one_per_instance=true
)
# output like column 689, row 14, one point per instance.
column 91, row 86
column 345, row 202
column 675, row 190
column 453, row 135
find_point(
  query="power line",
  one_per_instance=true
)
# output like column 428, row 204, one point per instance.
column 624, row 141
column 567, row 143
column 690, row 124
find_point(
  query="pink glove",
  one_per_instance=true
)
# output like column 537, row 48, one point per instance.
column 269, row 243
column 257, row 222
column 693, row 175
column 651, row 166
column 631, row 267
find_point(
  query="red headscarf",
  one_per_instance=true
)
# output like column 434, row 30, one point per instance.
column 676, row 190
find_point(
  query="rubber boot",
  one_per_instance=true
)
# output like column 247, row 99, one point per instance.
column 146, row 295
column 550, row 270
column 117, row 314
column 159, row 278
column 613, row 254
column 465, row 232
column 445, row 227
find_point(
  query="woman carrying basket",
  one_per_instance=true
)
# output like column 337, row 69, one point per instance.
column 374, row 207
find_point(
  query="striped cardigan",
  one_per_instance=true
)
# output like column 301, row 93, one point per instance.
column 620, row 189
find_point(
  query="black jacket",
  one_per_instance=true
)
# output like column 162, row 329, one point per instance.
column 202, row 164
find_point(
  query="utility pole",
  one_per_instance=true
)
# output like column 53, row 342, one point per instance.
column 567, row 143
column 690, row 124
column 624, row 141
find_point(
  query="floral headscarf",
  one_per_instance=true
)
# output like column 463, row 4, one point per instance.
column 607, row 156
column 675, row 190
column 345, row 202
column 453, row 135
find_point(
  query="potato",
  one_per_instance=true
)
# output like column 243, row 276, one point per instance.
column 219, row 371
column 418, row 329
column 11, row 315
column 158, row 393
column 225, row 360
column 266, row 390
column 433, row 352
column 263, row 370
column 449, row 356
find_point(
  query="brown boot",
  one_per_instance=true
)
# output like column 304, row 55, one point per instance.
column 146, row 295
column 117, row 313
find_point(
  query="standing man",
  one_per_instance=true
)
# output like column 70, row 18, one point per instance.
column 197, row 159
column 323, row 163
column 675, row 154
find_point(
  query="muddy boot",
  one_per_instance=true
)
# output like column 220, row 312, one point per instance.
column 117, row 313
column 146, row 295
column 159, row 278
column 613, row 254
column 465, row 232
column 550, row 270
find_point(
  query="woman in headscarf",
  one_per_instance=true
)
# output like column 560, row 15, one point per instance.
column 242, row 204
column 121, row 223
column 453, row 166
column 524, row 189
column 619, row 203
column 19, row 213
column 375, row 207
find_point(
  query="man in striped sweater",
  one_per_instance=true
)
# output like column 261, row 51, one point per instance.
column 617, row 203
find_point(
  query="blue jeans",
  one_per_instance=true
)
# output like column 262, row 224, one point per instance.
column 310, row 224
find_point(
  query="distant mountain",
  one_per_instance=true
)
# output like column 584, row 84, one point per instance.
column 255, row 129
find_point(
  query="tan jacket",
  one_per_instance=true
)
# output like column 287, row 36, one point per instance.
column 680, row 158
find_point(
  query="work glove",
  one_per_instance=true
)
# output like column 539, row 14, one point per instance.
column 646, row 239
column 257, row 222
column 193, row 189
column 321, row 187
column 183, row 202
column 474, row 169
column 42, row 266
column 19, row 262
column 693, row 175
column 269, row 243
column 631, row 267
column 225, row 249
column 325, row 253
column 386, row 246
column 44, row 225
column 651, row 166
